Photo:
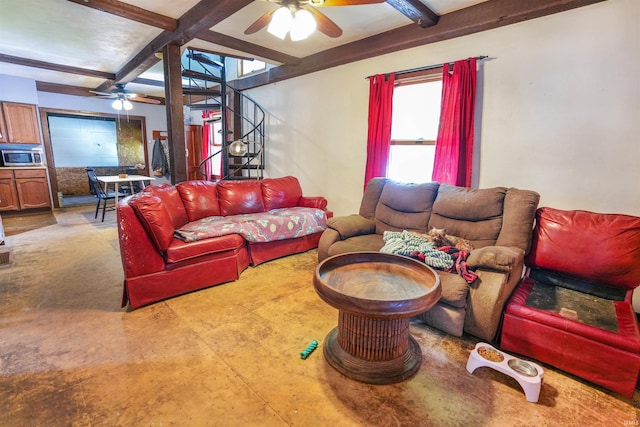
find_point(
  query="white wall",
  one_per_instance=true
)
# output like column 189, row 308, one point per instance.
column 18, row 89
column 559, row 112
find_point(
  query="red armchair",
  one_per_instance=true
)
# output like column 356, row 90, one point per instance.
column 573, row 309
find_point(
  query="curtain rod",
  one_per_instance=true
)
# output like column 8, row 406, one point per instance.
column 428, row 67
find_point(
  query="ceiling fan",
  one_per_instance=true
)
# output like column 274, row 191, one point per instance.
column 300, row 18
column 123, row 97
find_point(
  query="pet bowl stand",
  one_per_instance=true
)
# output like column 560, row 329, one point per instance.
column 528, row 374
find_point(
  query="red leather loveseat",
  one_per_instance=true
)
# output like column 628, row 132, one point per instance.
column 573, row 309
column 179, row 238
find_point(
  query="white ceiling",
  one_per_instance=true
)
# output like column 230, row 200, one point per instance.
column 69, row 34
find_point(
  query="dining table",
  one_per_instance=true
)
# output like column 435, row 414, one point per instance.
column 118, row 179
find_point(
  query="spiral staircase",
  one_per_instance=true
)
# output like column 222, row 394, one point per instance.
column 237, row 119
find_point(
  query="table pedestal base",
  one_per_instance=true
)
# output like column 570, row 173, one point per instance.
column 373, row 371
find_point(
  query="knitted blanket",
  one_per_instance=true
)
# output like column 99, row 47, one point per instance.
column 406, row 243
column 445, row 258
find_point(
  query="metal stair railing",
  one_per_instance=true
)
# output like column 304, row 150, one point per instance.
column 248, row 119
column 251, row 164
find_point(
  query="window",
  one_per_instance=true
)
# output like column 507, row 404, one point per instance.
column 249, row 66
column 414, row 126
column 81, row 141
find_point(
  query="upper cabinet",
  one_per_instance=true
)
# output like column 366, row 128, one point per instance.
column 19, row 124
column 3, row 129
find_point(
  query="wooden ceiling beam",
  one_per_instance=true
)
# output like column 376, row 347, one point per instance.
column 55, row 67
column 417, row 11
column 131, row 12
column 481, row 17
column 202, row 16
column 251, row 48
column 148, row 82
column 77, row 90
column 196, row 23
column 63, row 89
column 218, row 53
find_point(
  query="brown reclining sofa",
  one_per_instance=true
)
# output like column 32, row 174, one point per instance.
column 498, row 221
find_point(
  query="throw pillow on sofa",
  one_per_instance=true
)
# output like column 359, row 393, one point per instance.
column 172, row 201
column 154, row 218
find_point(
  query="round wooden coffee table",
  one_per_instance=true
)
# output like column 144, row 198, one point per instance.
column 376, row 294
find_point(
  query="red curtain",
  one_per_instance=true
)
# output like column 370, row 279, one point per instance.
column 206, row 131
column 379, row 135
column 454, row 146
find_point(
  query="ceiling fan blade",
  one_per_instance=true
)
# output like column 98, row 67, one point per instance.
column 324, row 3
column 146, row 100
column 325, row 25
column 101, row 93
column 260, row 23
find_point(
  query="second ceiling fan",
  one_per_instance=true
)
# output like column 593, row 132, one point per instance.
column 123, row 97
column 300, row 18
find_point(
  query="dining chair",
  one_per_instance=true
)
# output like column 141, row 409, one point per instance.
column 102, row 195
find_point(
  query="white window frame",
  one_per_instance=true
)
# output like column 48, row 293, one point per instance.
column 242, row 63
column 426, row 76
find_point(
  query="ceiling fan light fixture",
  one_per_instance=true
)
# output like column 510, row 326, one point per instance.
column 127, row 105
column 280, row 22
column 303, row 25
column 117, row 104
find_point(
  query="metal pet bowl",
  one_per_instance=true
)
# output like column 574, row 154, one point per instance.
column 523, row 368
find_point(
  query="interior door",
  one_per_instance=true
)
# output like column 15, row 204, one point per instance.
column 193, row 140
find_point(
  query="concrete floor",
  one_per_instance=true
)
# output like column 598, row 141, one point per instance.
column 228, row 355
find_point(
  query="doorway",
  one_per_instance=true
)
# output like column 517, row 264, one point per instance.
column 76, row 140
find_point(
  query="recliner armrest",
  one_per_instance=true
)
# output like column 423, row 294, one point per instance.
column 499, row 269
column 351, row 225
column 498, row 258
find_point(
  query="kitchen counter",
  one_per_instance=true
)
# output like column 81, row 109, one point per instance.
column 22, row 167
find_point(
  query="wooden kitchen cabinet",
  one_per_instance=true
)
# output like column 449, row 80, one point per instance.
column 3, row 129
column 32, row 188
column 8, row 193
column 19, row 124
column 22, row 189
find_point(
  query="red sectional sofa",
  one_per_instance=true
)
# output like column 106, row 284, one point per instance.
column 179, row 238
column 573, row 309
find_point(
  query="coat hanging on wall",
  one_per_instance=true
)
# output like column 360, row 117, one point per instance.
column 160, row 158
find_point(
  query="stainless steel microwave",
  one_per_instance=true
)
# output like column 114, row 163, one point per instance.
column 21, row 157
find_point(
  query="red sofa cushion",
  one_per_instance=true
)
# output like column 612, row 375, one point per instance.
column 282, row 192
column 200, row 199
column 604, row 357
column 172, row 201
column 153, row 215
column 180, row 251
column 603, row 248
column 240, row 197
column 626, row 338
